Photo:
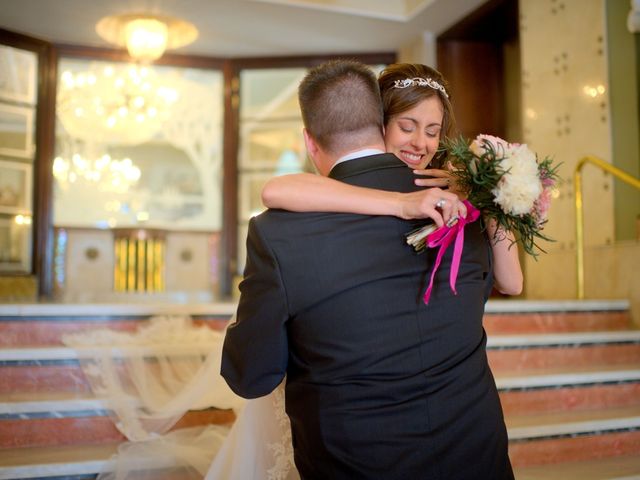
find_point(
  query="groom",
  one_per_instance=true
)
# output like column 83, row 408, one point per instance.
column 334, row 302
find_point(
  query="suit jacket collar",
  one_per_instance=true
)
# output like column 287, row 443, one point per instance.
column 365, row 164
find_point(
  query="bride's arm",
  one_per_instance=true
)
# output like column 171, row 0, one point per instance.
column 306, row 192
column 507, row 272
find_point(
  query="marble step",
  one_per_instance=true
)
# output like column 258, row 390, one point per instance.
column 49, row 332
column 549, row 378
column 39, row 332
column 76, row 462
column 60, row 461
column 577, row 448
column 80, row 310
column 570, row 398
column 140, row 310
column 63, row 461
column 57, row 369
column 555, row 322
column 494, row 342
column 563, row 339
column 514, row 353
column 540, row 449
column 553, row 391
column 89, row 426
column 26, row 418
column 511, row 305
column 551, row 439
column 614, row 468
column 35, row 408
column 523, row 361
column 554, row 424
column 44, row 324
column 558, row 437
column 34, row 333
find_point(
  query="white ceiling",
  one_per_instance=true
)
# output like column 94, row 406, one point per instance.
column 247, row 28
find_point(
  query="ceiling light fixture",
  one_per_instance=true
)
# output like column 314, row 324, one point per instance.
column 146, row 36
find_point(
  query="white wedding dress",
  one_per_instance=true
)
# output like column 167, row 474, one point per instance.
column 258, row 446
column 150, row 378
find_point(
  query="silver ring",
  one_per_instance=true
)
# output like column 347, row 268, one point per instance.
column 452, row 221
column 441, row 203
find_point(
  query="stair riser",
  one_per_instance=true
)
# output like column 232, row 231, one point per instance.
column 43, row 379
column 574, row 449
column 511, row 361
column 548, row 400
column 33, row 333
column 68, row 377
column 555, row 322
column 43, row 432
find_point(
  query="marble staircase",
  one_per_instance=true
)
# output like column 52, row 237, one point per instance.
column 568, row 375
column 51, row 425
column 569, row 380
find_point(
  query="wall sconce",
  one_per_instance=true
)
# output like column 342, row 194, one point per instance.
column 146, row 36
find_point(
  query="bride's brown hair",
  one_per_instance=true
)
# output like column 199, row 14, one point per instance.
column 398, row 100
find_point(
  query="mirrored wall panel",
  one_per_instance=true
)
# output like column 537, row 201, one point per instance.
column 138, row 156
column 18, row 86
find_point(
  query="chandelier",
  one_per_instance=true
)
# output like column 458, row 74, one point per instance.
column 146, row 36
column 105, row 173
column 123, row 104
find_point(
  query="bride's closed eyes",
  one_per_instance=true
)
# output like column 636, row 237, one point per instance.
column 410, row 126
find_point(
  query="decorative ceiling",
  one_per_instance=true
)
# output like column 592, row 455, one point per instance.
column 398, row 10
column 249, row 28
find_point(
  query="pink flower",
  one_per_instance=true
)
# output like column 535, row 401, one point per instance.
column 546, row 181
column 482, row 142
column 542, row 204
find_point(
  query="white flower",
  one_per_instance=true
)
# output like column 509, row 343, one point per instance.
column 519, row 188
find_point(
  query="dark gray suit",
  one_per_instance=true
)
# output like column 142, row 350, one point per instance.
column 379, row 385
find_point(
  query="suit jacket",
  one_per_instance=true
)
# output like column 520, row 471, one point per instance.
column 334, row 301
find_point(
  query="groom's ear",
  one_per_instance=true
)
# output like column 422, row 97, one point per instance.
column 322, row 162
column 310, row 144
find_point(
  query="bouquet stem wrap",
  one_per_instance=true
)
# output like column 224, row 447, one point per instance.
column 443, row 237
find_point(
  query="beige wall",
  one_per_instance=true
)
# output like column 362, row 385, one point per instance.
column 560, row 56
column 611, row 272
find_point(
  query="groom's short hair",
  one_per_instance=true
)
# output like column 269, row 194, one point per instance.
column 341, row 106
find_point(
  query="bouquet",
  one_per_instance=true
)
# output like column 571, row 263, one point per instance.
column 503, row 181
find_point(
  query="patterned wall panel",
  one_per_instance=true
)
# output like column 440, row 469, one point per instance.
column 566, row 115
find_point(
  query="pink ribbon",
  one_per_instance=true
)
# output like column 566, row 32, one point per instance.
column 443, row 237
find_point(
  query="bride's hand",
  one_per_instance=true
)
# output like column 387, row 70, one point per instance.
column 441, row 206
column 440, row 178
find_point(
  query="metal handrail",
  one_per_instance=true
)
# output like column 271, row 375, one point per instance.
column 577, row 182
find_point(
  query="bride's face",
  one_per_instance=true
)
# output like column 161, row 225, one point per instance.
column 413, row 135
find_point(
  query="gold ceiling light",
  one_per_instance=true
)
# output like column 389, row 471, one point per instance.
column 146, row 36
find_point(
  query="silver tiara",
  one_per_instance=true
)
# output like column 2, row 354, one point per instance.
column 421, row 82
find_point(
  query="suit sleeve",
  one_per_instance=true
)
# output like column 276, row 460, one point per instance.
column 255, row 352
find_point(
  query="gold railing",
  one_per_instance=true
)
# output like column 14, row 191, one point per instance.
column 577, row 182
